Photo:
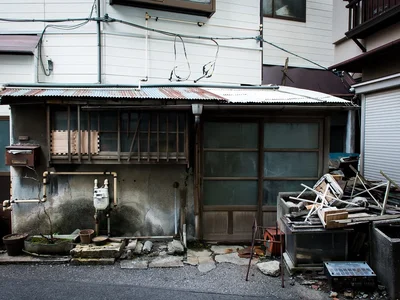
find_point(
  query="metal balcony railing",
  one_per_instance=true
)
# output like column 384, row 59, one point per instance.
column 362, row 11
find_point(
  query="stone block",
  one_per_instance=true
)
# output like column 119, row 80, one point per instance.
column 166, row 262
column 109, row 250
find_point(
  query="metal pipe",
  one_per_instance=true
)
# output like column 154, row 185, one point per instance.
column 47, row 173
column 98, row 43
column 95, row 85
column 108, row 225
column 96, row 223
column 175, row 185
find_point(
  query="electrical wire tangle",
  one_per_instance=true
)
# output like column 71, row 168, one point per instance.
column 174, row 74
column 208, row 68
column 61, row 27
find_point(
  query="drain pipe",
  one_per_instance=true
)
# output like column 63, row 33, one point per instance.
column 98, row 43
column 175, row 185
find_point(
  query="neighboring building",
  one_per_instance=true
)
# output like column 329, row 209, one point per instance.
column 368, row 45
column 111, row 79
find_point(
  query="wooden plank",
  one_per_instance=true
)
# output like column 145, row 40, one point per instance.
column 69, row 133
column 89, row 143
column 79, row 132
column 119, row 135
column 368, row 219
column 133, row 139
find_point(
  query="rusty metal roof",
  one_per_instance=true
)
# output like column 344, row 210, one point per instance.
column 240, row 95
column 18, row 44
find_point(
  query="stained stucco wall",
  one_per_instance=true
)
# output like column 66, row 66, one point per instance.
column 145, row 201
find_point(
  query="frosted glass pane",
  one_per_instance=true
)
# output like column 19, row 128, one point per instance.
column 230, row 135
column 290, row 164
column 272, row 188
column 291, row 135
column 227, row 192
column 230, row 164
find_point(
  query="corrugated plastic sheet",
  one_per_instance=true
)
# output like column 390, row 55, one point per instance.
column 281, row 95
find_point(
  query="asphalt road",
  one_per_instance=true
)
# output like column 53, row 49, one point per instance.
column 111, row 282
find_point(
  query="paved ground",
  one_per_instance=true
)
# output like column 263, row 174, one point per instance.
column 83, row 282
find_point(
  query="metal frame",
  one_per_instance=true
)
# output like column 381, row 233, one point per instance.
column 259, row 208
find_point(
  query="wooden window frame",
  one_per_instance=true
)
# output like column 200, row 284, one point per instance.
column 180, row 6
column 296, row 19
column 178, row 153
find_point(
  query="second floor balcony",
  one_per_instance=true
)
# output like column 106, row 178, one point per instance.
column 369, row 16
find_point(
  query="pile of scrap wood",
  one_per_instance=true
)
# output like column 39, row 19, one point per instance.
column 334, row 204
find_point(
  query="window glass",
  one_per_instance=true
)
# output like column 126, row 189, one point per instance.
column 230, row 164
column 290, row 164
column 287, row 9
column 273, row 187
column 291, row 135
column 229, row 192
column 230, row 135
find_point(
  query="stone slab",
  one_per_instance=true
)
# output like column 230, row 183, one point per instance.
column 92, row 261
column 233, row 258
column 223, row 249
column 166, row 262
column 205, row 259
column 201, row 253
column 206, row 267
column 134, row 264
column 191, row 260
column 5, row 259
column 109, row 250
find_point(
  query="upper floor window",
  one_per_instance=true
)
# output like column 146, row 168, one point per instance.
column 195, row 7
column 285, row 9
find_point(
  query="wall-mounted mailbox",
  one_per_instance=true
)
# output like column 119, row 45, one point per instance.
column 22, row 155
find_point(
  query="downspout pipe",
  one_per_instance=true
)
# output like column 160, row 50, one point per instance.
column 99, row 60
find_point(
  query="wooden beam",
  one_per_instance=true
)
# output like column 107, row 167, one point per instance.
column 79, row 133
column 89, row 138
column 134, row 137
column 48, row 135
column 119, row 135
column 69, row 132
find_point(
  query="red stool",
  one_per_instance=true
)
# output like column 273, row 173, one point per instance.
column 273, row 247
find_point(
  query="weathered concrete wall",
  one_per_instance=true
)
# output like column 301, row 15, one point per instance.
column 145, row 200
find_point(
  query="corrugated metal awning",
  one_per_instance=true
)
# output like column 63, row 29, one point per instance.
column 18, row 44
column 239, row 95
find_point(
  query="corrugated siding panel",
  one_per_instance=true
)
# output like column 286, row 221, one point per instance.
column 382, row 135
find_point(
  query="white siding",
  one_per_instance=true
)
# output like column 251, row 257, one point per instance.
column 238, row 61
column 16, row 68
column 382, row 139
column 311, row 39
column 74, row 58
column 74, row 53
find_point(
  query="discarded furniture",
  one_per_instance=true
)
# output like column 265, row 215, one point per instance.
column 385, row 254
column 257, row 233
column 308, row 248
column 350, row 274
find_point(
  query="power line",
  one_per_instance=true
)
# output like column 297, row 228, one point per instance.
column 108, row 19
